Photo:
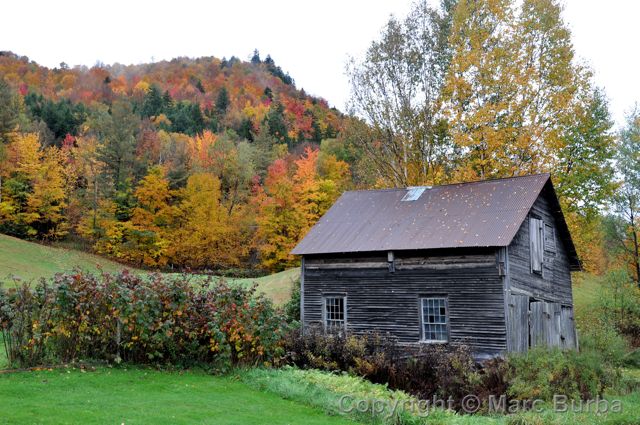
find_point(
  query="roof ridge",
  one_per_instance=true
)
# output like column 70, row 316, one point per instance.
column 392, row 189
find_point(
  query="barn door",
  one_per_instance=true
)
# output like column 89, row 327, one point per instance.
column 518, row 323
column 553, row 333
column 567, row 328
column 537, row 324
column 545, row 324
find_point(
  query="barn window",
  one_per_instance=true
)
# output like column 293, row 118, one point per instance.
column 536, row 236
column 335, row 316
column 434, row 319
column 549, row 239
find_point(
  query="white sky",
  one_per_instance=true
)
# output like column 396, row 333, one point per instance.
column 309, row 39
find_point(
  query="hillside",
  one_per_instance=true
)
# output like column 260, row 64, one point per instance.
column 183, row 95
column 182, row 163
column 31, row 261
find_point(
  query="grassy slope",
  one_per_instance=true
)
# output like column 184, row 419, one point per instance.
column 585, row 290
column 30, row 261
column 138, row 396
column 324, row 390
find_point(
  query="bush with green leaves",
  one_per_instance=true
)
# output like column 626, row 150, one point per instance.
column 617, row 307
column 126, row 317
column 541, row 373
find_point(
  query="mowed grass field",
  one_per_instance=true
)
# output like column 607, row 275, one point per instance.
column 30, row 261
column 145, row 396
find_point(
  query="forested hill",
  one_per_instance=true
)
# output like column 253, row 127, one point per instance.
column 185, row 164
column 182, row 95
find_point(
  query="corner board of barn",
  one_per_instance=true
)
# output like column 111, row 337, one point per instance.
column 487, row 264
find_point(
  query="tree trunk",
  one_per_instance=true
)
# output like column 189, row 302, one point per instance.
column 636, row 251
column 634, row 238
column 95, row 201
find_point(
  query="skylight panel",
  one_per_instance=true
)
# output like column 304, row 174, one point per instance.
column 414, row 193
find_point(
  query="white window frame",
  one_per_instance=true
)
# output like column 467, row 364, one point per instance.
column 424, row 322
column 331, row 324
column 536, row 244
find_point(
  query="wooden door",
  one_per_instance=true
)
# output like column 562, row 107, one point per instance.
column 545, row 324
column 518, row 323
column 567, row 329
column 537, row 324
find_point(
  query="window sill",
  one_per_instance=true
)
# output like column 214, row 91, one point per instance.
column 430, row 341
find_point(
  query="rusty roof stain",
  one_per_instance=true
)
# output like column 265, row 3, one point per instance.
column 476, row 214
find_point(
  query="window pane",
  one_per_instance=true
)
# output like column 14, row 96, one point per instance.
column 434, row 319
column 334, row 313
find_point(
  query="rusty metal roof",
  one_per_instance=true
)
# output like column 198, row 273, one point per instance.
column 478, row 214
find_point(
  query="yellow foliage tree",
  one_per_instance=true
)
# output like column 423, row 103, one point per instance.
column 34, row 195
column 207, row 236
column 291, row 202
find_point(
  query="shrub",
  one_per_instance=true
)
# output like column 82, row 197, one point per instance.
column 125, row 317
column 292, row 307
column 541, row 373
column 430, row 371
column 444, row 371
column 618, row 305
column 26, row 313
column 602, row 338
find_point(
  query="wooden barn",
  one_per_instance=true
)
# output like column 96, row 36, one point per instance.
column 487, row 264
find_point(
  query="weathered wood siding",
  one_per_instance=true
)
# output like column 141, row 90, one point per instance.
column 540, row 306
column 387, row 302
column 555, row 282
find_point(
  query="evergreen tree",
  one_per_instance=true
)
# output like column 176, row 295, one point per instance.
column 61, row 117
column 222, row 101
column 153, row 103
column 255, row 59
column 117, row 131
column 268, row 93
column 276, row 123
column 245, row 130
column 8, row 112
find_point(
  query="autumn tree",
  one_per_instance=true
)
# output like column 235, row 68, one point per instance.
column 142, row 235
column 90, row 191
column 584, row 175
column 279, row 222
column 45, row 209
column 396, row 90
column 152, row 219
column 510, row 89
column 294, row 197
column 34, row 192
column 207, row 236
column 627, row 199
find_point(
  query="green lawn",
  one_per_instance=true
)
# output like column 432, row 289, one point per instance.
column 140, row 396
column 31, row 261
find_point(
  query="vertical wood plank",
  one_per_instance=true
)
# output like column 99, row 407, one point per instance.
column 537, row 324
column 518, row 331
